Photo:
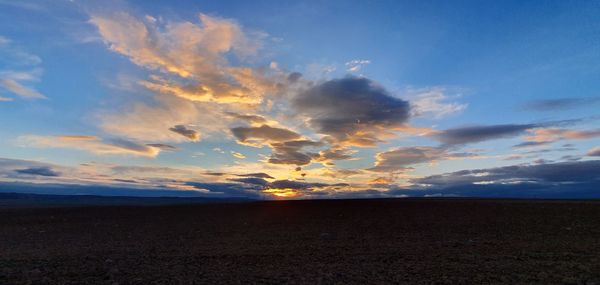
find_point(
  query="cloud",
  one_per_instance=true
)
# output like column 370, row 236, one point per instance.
column 252, row 180
column 430, row 103
column 263, row 134
column 91, row 144
column 104, row 190
column 19, row 67
column 188, row 133
column 292, row 188
column 21, row 90
column 162, row 146
column 14, row 56
column 294, row 77
column 531, row 144
column 560, row 103
column 192, row 77
column 352, row 110
column 334, row 153
column 550, row 135
column 357, row 64
column 402, row 158
column 253, row 119
column 473, row 134
column 238, row 155
column 257, row 175
column 12, row 166
column 570, row 179
column 134, row 38
column 196, row 52
column 147, row 122
column 230, row 189
column 292, row 152
column 107, row 179
column 41, row 171
column 594, row 152
column 564, row 172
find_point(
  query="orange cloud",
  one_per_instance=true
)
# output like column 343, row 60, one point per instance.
column 91, row 144
column 548, row 135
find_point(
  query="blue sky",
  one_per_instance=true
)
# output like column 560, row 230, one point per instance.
column 298, row 100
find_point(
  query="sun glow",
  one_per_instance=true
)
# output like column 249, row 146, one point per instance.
column 282, row 193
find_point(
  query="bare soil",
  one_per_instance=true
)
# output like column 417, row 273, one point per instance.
column 415, row 241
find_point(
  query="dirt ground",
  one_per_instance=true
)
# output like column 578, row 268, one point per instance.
column 414, row 241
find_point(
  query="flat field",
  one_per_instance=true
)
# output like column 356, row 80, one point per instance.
column 416, row 241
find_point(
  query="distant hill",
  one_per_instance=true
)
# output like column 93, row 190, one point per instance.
column 24, row 200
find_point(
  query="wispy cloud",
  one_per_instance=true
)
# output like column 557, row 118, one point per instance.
column 356, row 64
column 433, row 103
column 549, row 135
column 91, row 144
column 560, row 103
column 19, row 89
column 19, row 67
column 404, row 158
column 474, row 134
column 237, row 155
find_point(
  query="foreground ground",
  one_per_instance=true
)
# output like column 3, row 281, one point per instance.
column 352, row 241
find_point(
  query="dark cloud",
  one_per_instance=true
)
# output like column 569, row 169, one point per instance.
column 285, row 184
column 354, row 110
column 101, row 190
column 292, row 152
column 258, row 175
column 248, row 118
column 264, row 133
column 301, row 185
column 294, row 76
column 542, row 161
column 229, row 189
column 570, row 158
column 583, row 190
column 184, row 131
column 40, row 171
column 335, row 153
column 547, row 150
column 132, row 146
column 8, row 166
column 594, row 152
column 475, row 134
column 531, row 144
column 560, row 104
column 163, row 146
column 402, row 158
column 290, row 157
column 125, row 180
column 215, row 173
column 252, row 180
column 563, row 172
column 287, row 146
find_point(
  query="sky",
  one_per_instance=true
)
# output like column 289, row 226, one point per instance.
column 300, row 99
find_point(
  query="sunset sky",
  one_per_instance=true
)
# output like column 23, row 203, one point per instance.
column 292, row 99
